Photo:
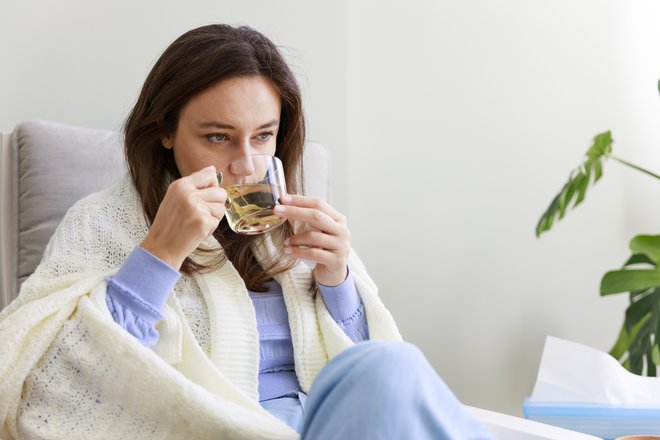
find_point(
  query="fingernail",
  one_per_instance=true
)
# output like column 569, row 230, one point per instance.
column 286, row 198
column 286, row 242
column 279, row 209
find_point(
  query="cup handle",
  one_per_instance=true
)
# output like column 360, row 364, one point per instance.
column 220, row 178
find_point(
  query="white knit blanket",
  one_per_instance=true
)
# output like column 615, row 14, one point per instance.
column 67, row 370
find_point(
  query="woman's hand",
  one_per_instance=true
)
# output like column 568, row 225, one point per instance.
column 327, row 243
column 189, row 213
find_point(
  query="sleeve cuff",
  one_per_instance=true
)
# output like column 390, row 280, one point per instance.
column 145, row 281
column 342, row 301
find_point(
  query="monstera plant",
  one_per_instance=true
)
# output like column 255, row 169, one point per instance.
column 638, row 344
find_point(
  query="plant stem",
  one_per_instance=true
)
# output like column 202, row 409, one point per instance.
column 635, row 167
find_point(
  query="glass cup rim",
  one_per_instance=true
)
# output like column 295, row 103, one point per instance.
column 221, row 172
column 246, row 156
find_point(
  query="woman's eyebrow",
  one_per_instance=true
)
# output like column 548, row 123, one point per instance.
column 217, row 124
column 273, row 123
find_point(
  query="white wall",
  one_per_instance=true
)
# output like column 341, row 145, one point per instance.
column 451, row 125
column 639, row 39
column 465, row 119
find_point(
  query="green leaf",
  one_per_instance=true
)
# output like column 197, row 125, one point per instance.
column 648, row 245
column 638, row 294
column 567, row 195
column 546, row 220
column 626, row 335
column 647, row 346
column 650, row 365
column 598, row 171
column 638, row 259
column 658, row 86
column 626, row 364
column 602, row 146
column 621, row 345
column 574, row 191
column 583, row 185
column 653, row 356
column 655, row 353
column 618, row 281
column 639, row 311
column 639, row 346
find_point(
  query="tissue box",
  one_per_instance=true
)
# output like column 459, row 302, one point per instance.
column 601, row 420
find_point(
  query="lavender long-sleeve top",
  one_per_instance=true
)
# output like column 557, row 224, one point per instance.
column 137, row 293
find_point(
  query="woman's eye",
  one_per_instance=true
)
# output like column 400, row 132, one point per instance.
column 264, row 137
column 216, row 138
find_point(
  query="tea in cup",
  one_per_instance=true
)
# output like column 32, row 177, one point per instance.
column 254, row 186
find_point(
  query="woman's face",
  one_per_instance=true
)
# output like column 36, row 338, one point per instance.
column 229, row 120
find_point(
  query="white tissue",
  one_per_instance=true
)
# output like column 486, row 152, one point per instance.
column 572, row 372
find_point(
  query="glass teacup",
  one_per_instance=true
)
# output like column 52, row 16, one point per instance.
column 254, row 186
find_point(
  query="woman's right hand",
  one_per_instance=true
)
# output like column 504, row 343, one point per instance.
column 189, row 213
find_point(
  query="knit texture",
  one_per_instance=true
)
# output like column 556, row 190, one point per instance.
column 67, row 370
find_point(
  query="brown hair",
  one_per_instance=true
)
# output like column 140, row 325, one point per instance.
column 191, row 64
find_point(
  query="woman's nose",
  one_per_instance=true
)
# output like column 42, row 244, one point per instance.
column 242, row 166
column 243, row 163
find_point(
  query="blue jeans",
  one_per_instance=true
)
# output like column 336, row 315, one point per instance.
column 378, row 390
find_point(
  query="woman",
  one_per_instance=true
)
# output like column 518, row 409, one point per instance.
column 149, row 318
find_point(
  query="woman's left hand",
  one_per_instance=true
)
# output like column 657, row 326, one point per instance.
column 327, row 243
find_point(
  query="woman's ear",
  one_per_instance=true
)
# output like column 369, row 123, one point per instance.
column 167, row 141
